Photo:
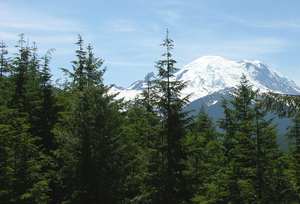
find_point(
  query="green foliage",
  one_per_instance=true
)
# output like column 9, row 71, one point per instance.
column 143, row 128
column 286, row 105
column 203, row 152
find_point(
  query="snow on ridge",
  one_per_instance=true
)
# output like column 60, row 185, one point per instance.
column 209, row 74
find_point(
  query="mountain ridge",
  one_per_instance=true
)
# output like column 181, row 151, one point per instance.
column 209, row 74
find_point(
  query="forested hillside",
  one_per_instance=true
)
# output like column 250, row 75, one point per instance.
column 75, row 143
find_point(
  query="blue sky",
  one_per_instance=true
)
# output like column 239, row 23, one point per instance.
column 127, row 33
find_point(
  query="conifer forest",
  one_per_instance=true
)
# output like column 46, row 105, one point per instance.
column 74, row 142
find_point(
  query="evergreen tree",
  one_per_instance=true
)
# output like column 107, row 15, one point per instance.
column 48, row 109
column 203, row 151
column 89, row 146
column 287, row 105
column 142, row 130
column 294, row 151
column 271, row 183
column 3, row 60
column 7, row 115
column 228, row 124
column 245, row 149
column 251, row 149
column 47, row 117
column 153, row 147
column 149, row 95
column 24, row 159
column 174, row 119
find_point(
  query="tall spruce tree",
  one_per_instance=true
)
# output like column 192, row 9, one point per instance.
column 170, row 106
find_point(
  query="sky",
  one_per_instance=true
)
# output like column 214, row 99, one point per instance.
column 127, row 33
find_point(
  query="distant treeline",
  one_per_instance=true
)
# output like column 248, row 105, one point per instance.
column 74, row 142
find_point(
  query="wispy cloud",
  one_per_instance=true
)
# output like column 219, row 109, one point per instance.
column 120, row 25
column 251, row 48
column 8, row 36
column 155, row 26
column 173, row 2
column 281, row 24
column 170, row 16
column 258, row 24
column 24, row 18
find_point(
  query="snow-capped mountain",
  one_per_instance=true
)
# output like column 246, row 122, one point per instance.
column 210, row 74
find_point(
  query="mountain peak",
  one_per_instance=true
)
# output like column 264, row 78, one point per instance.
column 209, row 74
column 209, row 59
column 149, row 77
